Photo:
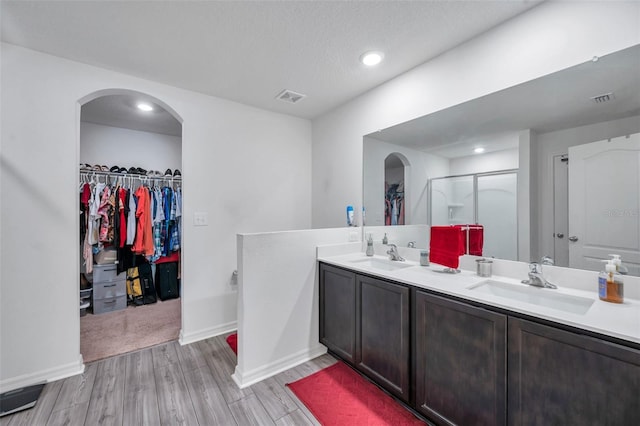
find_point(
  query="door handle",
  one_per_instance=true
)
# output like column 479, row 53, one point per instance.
column 560, row 235
column 573, row 239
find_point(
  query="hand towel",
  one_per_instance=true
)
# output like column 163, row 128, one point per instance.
column 475, row 236
column 446, row 245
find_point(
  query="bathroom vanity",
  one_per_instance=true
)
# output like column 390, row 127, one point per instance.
column 463, row 349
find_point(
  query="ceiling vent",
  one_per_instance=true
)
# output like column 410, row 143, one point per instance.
column 603, row 98
column 290, row 96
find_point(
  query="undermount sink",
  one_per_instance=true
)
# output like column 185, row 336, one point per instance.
column 549, row 298
column 381, row 264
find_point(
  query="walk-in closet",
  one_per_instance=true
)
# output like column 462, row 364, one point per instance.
column 130, row 206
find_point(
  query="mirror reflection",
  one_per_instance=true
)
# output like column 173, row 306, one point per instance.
column 538, row 130
column 489, row 199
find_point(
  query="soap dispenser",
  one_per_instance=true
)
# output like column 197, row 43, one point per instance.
column 370, row 246
column 384, row 239
column 620, row 268
column 610, row 284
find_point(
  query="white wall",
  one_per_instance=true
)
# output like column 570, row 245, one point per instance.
column 546, row 39
column 247, row 168
column 278, row 312
column 482, row 163
column 114, row 146
column 549, row 145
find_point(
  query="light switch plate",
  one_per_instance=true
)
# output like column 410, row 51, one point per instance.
column 200, row 219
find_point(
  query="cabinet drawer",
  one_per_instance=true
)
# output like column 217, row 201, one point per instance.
column 102, row 273
column 109, row 289
column 108, row 305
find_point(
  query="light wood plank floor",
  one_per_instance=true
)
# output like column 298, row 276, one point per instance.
column 170, row 384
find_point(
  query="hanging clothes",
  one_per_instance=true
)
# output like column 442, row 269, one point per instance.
column 394, row 211
column 174, row 241
column 131, row 218
column 141, row 225
column 122, row 218
column 143, row 243
column 178, row 194
column 87, row 253
column 105, row 212
column 158, row 218
column 94, row 218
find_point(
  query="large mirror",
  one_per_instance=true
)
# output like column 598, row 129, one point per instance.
column 545, row 130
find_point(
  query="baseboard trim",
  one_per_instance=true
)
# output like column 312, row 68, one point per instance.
column 43, row 376
column 256, row 375
column 187, row 338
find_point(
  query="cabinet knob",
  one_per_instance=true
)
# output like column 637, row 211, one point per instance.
column 573, row 239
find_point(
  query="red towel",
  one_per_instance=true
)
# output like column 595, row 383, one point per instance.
column 446, row 245
column 476, row 238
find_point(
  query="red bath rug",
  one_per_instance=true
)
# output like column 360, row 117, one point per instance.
column 339, row 396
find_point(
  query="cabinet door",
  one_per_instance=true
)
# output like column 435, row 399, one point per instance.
column 460, row 362
column 338, row 311
column 560, row 378
column 382, row 334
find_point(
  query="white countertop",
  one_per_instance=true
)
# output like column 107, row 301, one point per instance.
column 621, row 321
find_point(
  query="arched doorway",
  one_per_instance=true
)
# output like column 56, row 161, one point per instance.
column 130, row 172
column 396, row 181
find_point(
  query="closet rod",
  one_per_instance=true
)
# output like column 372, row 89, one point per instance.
column 127, row 175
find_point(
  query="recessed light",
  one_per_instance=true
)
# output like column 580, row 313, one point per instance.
column 144, row 107
column 371, row 58
column 478, row 150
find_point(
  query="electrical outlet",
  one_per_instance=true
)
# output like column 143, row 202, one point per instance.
column 200, row 219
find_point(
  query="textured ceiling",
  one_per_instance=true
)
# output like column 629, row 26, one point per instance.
column 250, row 51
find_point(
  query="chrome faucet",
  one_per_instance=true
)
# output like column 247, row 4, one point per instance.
column 393, row 253
column 536, row 277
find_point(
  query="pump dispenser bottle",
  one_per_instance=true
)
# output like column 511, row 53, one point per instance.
column 620, row 268
column 610, row 284
column 370, row 246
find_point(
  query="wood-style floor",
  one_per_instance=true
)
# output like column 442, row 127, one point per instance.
column 170, row 384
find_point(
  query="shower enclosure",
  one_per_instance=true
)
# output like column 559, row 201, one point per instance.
column 487, row 199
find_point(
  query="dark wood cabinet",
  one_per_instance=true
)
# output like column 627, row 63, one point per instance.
column 459, row 361
column 557, row 377
column 338, row 311
column 382, row 334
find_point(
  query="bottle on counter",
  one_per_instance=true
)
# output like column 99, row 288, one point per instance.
column 384, row 239
column 350, row 216
column 424, row 257
column 610, row 284
column 370, row 246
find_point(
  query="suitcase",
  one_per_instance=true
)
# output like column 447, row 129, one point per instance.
column 167, row 283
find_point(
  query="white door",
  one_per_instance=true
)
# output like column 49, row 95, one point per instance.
column 561, row 210
column 604, row 203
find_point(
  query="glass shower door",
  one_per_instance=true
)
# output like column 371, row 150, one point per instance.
column 498, row 213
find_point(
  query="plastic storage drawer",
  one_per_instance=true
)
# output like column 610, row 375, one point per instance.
column 108, row 305
column 107, row 273
column 109, row 289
